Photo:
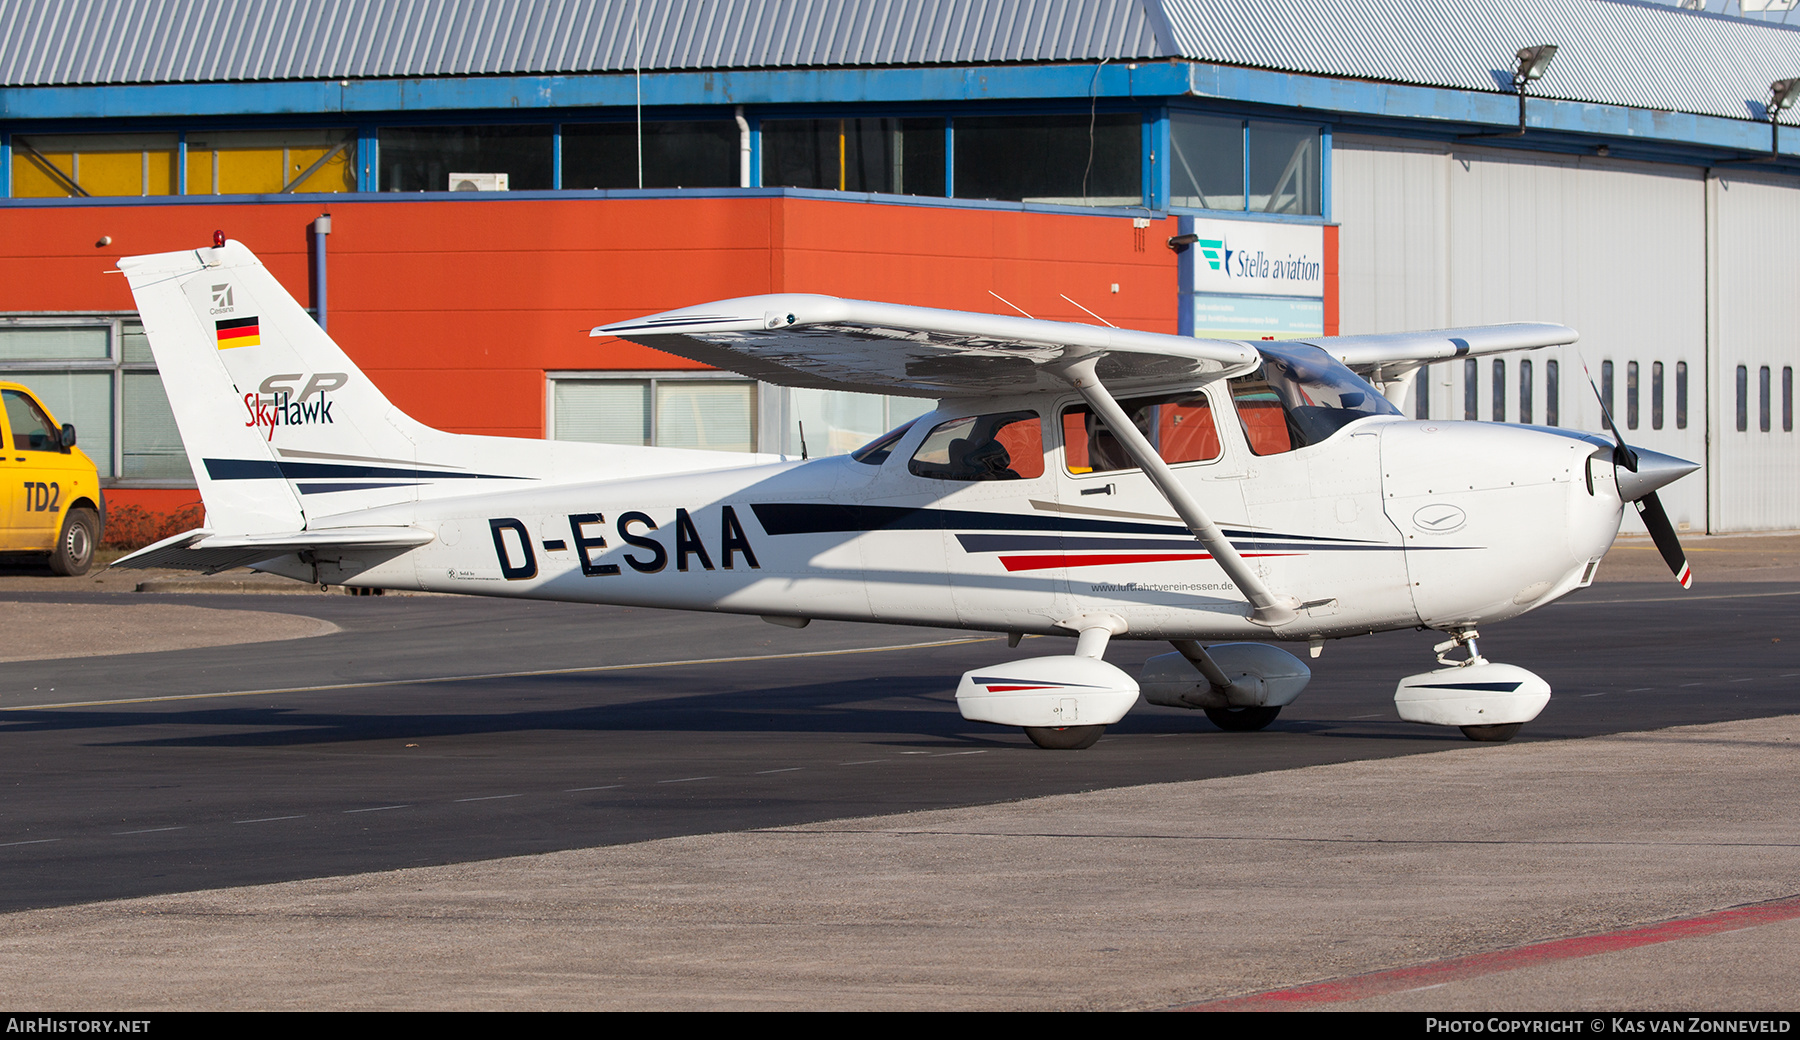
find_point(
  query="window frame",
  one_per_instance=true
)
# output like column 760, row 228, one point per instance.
column 652, row 377
column 1162, row 172
column 1054, row 422
column 114, row 364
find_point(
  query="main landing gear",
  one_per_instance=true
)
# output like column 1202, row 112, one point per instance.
column 1063, row 703
column 1241, row 686
column 1487, row 701
column 1064, row 738
column 1242, row 720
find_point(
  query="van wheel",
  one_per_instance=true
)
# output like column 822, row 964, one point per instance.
column 74, row 552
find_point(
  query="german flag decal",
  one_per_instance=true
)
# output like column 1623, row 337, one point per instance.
column 238, row 332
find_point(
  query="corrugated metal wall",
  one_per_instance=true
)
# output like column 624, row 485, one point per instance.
column 1446, row 237
column 1756, row 234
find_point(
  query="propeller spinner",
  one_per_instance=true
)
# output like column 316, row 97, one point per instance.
column 1640, row 472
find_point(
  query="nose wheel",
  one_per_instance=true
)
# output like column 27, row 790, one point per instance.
column 1498, row 734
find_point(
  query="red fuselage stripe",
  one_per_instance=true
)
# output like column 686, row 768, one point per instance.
column 1038, row 563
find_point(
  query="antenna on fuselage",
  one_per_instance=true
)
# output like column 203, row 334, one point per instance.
column 802, row 439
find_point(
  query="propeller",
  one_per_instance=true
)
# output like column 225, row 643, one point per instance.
column 1640, row 472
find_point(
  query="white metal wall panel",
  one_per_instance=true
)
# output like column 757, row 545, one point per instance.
column 1615, row 250
column 1756, row 475
column 1390, row 203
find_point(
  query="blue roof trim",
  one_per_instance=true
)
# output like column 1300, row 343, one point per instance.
column 524, row 93
column 313, row 200
column 1338, row 98
column 393, row 102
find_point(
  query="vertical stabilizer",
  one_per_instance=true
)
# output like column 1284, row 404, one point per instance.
column 270, row 409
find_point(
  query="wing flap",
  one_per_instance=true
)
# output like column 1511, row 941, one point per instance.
column 827, row 343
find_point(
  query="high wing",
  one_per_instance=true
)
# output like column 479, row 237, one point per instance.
column 827, row 343
column 1411, row 348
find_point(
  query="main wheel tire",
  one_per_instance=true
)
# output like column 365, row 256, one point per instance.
column 74, row 552
column 1064, row 738
column 1495, row 734
column 1242, row 720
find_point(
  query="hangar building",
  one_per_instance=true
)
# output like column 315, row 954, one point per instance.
column 501, row 175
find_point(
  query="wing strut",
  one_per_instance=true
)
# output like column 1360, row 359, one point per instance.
column 1266, row 608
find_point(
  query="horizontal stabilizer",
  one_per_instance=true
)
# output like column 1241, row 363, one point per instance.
column 209, row 552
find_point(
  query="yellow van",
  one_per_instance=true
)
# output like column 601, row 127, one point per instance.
column 50, row 498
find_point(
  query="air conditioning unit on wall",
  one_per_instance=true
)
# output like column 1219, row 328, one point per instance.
column 478, row 182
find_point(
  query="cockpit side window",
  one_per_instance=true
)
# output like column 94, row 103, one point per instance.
column 1299, row 396
column 1179, row 426
column 1003, row 446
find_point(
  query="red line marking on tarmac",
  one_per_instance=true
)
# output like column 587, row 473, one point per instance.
column 1436, row 973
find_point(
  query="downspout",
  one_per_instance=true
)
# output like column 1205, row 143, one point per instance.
column 321, row 229
column 743, row 147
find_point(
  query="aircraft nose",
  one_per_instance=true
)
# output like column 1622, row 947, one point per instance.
column 1654, row 471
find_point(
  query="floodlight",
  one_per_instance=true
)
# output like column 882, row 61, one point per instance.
column 1532, row 63
column 1782, row 95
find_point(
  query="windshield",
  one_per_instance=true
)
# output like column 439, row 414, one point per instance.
column 877, row 451
column 1315, row 394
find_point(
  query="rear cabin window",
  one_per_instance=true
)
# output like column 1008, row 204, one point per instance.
column 1179, row 426
column 1301, row 395
column 1004, row 446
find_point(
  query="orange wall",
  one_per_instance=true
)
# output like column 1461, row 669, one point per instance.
column 457, row 308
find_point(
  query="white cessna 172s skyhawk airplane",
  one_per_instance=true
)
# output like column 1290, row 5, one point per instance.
column 1075, row 480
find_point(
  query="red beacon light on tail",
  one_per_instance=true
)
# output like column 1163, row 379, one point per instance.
column 218, row 240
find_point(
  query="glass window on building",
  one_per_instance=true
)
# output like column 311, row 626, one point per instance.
column 667, row 411
column 837, row 422
column 259, row 162
column 687, row 154
column 89, row 370
column 1282, row 163
column 1077, row 160
column 75, row 165
column 424, row 158
column 894, row 156
column 1206, row 162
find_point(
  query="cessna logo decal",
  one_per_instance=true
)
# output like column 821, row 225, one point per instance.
column 518, row 560
column 221, row 299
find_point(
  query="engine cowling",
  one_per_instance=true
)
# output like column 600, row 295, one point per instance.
column 1047, row 692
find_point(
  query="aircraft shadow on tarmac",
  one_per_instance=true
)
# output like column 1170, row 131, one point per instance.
column 894, row 709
